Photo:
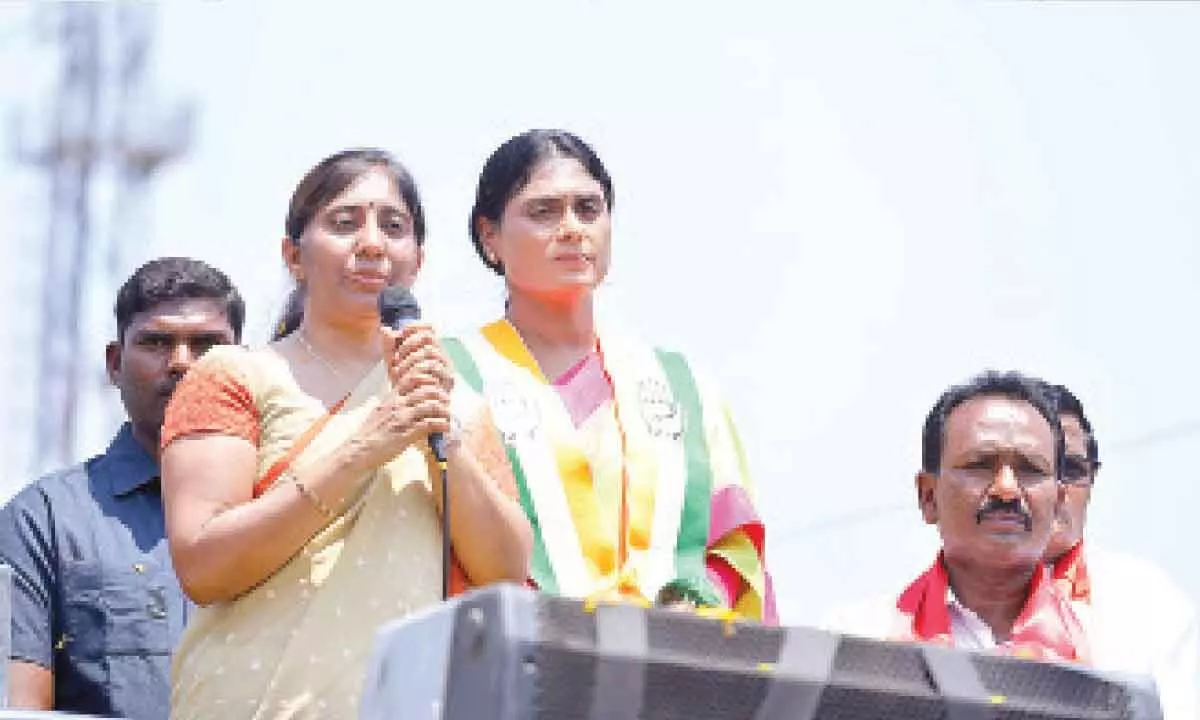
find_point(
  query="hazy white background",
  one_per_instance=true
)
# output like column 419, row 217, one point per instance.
column 837, row 208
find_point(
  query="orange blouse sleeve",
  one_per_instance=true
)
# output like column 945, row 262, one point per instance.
column 213, row 397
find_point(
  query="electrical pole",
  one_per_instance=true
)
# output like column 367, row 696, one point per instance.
column 100, row 128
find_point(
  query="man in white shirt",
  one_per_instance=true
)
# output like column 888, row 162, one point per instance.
column 1137, row 620
column 991, row 457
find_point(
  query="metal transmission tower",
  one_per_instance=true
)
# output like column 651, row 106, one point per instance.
column 98, row 133
column 147, row 134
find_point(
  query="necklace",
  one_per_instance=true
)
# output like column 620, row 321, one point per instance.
column 317, row 356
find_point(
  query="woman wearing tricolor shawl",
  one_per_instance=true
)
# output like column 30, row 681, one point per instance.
column 628, row 468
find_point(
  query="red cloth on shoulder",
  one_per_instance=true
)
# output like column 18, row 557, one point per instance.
column 1070, row 573
column 1046, row 629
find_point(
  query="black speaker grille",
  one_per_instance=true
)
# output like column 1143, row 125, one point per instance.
column 894, row 667
column 696, row 669
column 679, row 692
column 709, row 643
column 702, row 668
column 840, row 702
column 563, row 686
column 1051, row 688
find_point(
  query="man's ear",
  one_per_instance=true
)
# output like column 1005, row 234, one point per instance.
column 112, row 360
column 1060, row 500
column 926, row 498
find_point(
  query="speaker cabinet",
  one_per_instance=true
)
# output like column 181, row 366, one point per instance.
column 508, row 653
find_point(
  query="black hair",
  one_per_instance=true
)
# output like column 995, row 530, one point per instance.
column 1010, row 384
column 177, row 278
column 1068, row 404
column 330, row 178
column 507, row 171
column 292, row 314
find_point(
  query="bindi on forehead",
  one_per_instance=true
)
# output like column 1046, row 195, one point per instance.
column 371, row 206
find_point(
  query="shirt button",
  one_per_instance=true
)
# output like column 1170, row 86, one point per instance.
column 157, row 607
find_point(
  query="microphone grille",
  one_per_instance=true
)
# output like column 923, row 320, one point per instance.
column 397, row 306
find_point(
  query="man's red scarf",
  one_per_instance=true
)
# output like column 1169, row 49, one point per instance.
column 1046, row 629
column 1070, row 574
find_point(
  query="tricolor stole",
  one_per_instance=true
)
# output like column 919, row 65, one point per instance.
column 569, row 478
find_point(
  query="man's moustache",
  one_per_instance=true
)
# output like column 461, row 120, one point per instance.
column 994, row 506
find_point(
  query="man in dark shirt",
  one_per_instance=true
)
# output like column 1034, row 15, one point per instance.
column 96, row 605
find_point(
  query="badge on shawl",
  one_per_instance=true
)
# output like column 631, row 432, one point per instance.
column 516, row 416
column 659, row 409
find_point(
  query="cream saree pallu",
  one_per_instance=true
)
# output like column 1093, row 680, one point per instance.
column 629, row 471
column 296, row 645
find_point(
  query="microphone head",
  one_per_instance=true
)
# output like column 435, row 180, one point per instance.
column 398, row 307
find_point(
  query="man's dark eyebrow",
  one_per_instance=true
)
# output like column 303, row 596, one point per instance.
column 1035, row 460
column 164, row 335
column 144, row 334
column 990, row 453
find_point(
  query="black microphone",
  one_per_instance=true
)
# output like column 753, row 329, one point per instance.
column 398, row 308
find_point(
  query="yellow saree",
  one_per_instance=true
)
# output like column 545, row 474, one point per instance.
column 296, row 645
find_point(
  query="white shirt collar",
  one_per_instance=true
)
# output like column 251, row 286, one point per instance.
column 969, row 631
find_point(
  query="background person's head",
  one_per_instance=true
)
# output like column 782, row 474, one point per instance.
column 1080, row 465
column 355, row 224
column 542, row 215
column 991, row 455
column 169, row 313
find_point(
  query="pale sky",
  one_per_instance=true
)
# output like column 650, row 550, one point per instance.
column 836, row 209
